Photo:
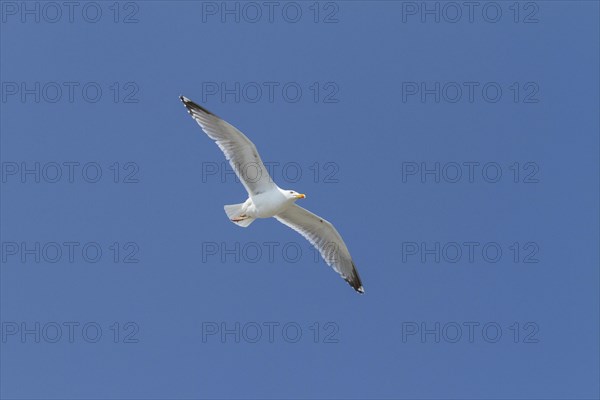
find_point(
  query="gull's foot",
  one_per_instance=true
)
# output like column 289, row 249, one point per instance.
column 240, row 218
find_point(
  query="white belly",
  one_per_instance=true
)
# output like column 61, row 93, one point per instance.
column 266, row 205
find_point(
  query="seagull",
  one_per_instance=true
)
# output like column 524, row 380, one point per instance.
column 266, row 199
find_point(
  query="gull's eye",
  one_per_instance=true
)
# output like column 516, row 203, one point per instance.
column 292, row 192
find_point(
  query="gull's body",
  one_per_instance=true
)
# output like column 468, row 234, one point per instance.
column 266, row 199
column 265, row 205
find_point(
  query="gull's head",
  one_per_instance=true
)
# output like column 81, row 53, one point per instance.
column 293, row 195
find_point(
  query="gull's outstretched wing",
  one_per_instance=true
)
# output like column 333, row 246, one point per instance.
column 322, row 234
column 238, row 149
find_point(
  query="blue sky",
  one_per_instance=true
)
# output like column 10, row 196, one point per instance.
column 454, row 148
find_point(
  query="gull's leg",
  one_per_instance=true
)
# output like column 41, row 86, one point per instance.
column 240, row 214
column 239, row 218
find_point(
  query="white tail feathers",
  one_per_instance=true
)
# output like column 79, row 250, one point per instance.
column 235, row 212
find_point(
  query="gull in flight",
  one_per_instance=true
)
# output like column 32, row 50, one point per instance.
column 266, row 199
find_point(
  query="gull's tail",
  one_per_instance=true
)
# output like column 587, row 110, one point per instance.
column 237, row 215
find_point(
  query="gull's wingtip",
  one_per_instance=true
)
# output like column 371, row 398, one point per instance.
column 187, row 102
column 356, row 285
column 354, row 280
column 193, row 106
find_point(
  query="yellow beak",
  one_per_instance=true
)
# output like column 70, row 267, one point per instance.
column 300, row 196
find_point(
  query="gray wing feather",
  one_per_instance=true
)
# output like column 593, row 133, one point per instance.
column 323, row 235
column 238, row 149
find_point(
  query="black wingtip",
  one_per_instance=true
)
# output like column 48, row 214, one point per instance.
column 357, row 286
column 190, row 105
column 355, row 281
